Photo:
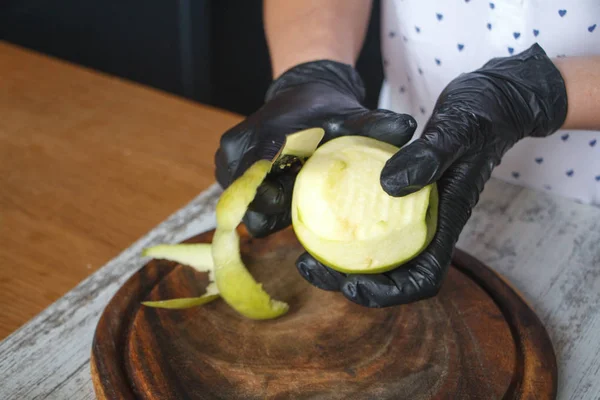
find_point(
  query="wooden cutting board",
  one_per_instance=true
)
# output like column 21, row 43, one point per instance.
column 476, row 340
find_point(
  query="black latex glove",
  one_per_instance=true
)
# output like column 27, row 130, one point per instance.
column 323, row 94
column 477, row 118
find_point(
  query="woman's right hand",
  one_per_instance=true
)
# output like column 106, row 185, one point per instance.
column 324, row 94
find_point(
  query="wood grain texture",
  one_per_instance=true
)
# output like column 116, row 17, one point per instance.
column 475, row 340
column 548, row 248
column 545, row 246
column 88, row 164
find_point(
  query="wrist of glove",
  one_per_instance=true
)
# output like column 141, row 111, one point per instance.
column 324, row 94
column 478, row 117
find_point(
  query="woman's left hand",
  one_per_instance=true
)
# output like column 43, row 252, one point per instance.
column 477, row 118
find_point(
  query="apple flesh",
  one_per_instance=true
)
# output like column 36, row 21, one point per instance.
column 344, row 218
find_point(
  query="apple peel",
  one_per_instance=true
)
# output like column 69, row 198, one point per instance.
column 231, row 280
column 182, row 303
column 195, row 255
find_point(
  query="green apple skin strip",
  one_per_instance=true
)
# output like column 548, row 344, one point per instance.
column 176, row 304
column 195, row 255
column 235, row 284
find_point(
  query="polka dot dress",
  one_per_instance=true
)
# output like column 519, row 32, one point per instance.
column 427, row 43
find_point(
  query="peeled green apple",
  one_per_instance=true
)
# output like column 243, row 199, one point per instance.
column 344, row 218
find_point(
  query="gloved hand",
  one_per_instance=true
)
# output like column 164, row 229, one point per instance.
column 477, row 118
column 323, row 94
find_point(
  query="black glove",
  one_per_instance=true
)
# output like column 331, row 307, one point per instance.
column 477, row 118
column 322, row 94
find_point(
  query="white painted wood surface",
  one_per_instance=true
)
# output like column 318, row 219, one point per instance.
column 548, row 247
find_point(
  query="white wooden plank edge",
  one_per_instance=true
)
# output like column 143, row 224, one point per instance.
column 548, row 247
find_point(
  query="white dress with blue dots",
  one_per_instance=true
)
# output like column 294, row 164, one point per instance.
column 427, row 43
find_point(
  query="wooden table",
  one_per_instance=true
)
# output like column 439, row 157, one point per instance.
column 548, row 247
column 88, row 164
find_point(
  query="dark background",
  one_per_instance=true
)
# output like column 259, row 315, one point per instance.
column 213, row 52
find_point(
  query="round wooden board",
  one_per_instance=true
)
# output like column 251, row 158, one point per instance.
column 476, row 340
